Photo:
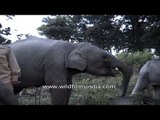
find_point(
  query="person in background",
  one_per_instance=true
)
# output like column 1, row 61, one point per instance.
column 9, row 68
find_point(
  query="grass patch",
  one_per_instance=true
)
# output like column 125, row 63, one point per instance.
column 95, row 95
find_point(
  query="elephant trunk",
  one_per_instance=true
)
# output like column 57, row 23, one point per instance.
column 127, row 73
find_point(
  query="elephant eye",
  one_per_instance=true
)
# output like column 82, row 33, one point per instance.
column 104, row 56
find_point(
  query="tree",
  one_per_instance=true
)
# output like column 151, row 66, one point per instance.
column 136, row 59
column 100, row 30
column 5, row 32
column 80, row 28
column 60, row 27
column 140, row 32
column 123, row 32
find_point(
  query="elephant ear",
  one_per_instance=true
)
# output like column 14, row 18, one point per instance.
column 76, row 60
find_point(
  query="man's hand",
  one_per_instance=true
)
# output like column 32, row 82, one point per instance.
column 14, row 80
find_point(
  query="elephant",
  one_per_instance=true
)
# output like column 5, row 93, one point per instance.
column 54, row 62
column 7, row 97
column 149, row 75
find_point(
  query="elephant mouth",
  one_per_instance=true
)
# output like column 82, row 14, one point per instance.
column 114, row 71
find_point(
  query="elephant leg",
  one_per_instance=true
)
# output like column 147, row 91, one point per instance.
column 69, row 91
column 141, row 84
column 59, row 96
column 156, row 91
column 57, row 82
column 7, row 97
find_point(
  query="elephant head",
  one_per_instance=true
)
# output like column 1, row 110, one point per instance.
column 95, row 61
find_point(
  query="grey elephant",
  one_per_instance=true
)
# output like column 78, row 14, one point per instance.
column 54, row 62
column 7, row 97
column 149, row 75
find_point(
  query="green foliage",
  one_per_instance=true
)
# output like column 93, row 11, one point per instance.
column 79, row 96
column 60, row 27
column 86, row 96
column 96, row 29
column 100, row 30
column 134, row 32
column 140, row 32
column 136, row 59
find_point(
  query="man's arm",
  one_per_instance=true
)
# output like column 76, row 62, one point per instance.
column 13, row 64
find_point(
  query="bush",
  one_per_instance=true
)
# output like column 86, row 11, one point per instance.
column 136, row 59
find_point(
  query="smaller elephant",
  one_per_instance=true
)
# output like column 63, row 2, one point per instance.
column 7, row 97
column 54, row 63
column 149, row 75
